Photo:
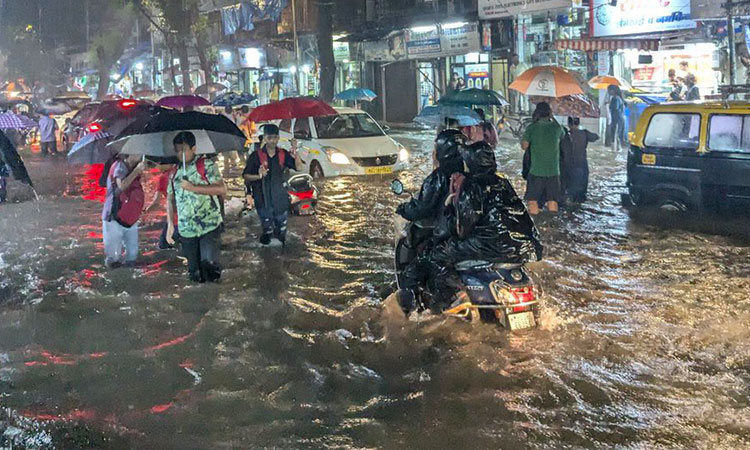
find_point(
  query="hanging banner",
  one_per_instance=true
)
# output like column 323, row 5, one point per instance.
column 389, row 50
column 423, row 42
column 497, row 9
column 445, row 40
column 639, row 16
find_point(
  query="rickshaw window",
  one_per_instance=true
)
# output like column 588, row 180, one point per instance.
column 679, row 131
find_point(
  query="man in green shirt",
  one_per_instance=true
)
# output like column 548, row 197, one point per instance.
column 195, row 191
column 542, row 140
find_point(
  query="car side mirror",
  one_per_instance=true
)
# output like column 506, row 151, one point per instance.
column 386, row 128
column 397, row 187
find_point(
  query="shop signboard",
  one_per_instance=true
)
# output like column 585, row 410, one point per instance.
column 639, row 16
column 392, row 49
column 714, row 10
column 486, row 37
column 644, row 74
column 497, row 9
column 459, row 39
column 603, row 58
column 341, row 51
column 423, row 42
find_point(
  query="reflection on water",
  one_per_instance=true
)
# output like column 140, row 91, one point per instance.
column 642, row 343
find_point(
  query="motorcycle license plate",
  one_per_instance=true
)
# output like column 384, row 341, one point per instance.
column 648, row 159
column 521, row 321
column 378, row 170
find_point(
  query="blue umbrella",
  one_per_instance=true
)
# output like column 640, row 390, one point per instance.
column 356, row 95
column 234, row 99
column 434, row 116
column 92, row 149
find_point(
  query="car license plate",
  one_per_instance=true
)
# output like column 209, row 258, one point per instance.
column 521, row 321
column 648, row 159
column 378, row 170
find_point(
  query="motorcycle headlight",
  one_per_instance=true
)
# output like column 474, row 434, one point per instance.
column 337, row 157
column 403, row 154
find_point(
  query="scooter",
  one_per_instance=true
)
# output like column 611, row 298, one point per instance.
column 303, row 195
column 490, row 291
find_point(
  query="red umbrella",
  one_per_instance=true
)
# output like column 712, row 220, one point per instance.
column 291, row 108
column 182, row 101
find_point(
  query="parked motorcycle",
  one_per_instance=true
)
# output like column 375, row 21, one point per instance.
column 303, row 195
column 490, row 291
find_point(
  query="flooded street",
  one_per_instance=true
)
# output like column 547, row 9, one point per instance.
column 644, row 340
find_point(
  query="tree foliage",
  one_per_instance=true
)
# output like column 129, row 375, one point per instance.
column 108, row 46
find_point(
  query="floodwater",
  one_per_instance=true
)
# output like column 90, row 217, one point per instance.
column 644, row 340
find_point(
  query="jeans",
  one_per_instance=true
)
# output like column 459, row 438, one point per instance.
column 619, row 134
column 115, row 237
column 3, row 189
column 49, row 147
column 271, row 224
column 202, row 253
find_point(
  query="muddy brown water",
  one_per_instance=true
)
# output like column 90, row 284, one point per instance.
column 643, row 340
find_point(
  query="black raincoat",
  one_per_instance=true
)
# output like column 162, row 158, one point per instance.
column 429, row 203
column 13, row 160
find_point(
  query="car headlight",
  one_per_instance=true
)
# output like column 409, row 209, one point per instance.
column 337, row 157
column 403, row 154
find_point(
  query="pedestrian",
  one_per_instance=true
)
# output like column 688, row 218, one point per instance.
column 4, row 174
column 675, row 86
column 230, row 158
column 542, row 140
column 489, row 132
column 48, row 134
column 617, row 114
column 265, row 175
column 575, row 166
column 692, row 93
column 453, row 85
column 516, row 69
column 123, row 206
column 195, row 193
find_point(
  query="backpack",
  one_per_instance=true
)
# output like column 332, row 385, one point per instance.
column 263, row 156
column 105, row 172
column 127, row 205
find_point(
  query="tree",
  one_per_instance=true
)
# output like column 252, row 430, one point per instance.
column 324, row 35
column 184, row 27
column 26, row 56
column 108, row 46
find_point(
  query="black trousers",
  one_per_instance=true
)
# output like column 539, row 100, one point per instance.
column 202, row 253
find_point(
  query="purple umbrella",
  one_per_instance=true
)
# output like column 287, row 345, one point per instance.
column 182, row 101
column 16, row 121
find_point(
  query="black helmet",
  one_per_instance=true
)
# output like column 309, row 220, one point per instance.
column 449, row 144
column 480, row 159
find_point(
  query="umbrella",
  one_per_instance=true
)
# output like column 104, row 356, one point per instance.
column 182, row 101
column 214, row 134
column 16, row 121
column 209, row 89
column 92, row 149
column 434, row 116
column 547, row 81
column 578, row 105
column 474, row 96
column 10, row 156
column 356, row 95
column 234, row 99
column 604, row 81
column 291, row 108
column 55, row 108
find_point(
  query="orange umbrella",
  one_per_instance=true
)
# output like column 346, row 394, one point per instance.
column 547, row 81
column 604, row 81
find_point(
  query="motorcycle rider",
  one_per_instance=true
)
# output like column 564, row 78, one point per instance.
column 430, row 203
column 492, row 224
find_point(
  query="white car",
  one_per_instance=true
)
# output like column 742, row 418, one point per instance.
column 350, row 143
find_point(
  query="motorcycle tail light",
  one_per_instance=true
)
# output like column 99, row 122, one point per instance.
column 94, row 127
column 304, row 195
column 306, row 206
column 522, row 295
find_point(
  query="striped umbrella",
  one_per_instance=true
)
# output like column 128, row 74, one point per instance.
column 9, row 120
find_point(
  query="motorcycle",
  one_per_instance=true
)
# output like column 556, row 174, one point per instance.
column 303, row 195
column 490, row 291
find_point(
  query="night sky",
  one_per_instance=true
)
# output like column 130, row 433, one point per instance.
column 63, row 21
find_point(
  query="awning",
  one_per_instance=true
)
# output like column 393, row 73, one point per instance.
column 592, row 45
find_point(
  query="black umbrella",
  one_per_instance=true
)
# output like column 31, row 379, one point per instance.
column 13, row 160
column 153, row 138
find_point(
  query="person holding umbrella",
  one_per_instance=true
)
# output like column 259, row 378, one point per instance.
column 265, row 176
column 195, row 192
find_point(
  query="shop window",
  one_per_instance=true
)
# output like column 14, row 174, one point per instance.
column 302, row 129
column 674, row 131
column 729, row 133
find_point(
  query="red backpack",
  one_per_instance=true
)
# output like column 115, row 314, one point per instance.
column 127, row 206
column 263, row 156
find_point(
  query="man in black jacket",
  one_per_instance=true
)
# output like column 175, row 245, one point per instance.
column 430, row 204
column 492, row 223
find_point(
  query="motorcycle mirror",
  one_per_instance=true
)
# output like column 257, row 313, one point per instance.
column 397, row 187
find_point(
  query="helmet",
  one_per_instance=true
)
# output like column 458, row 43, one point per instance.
column 480, row 159
column 449, row 144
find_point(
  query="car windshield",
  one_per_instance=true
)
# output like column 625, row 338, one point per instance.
column 347, row 126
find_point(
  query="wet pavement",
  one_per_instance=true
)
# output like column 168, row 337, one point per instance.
column 643, row 340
